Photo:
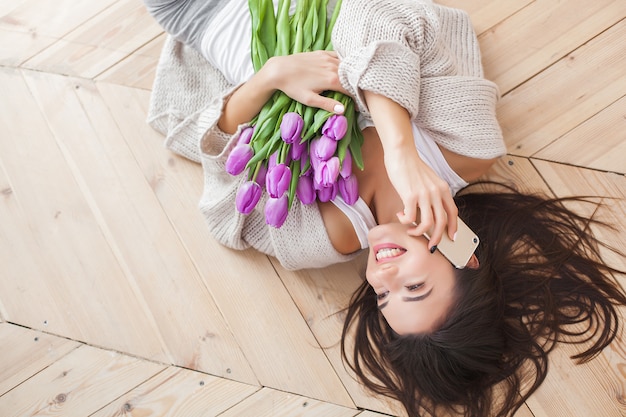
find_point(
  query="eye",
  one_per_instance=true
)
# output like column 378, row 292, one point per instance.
column 381, row 295
column 414, row 287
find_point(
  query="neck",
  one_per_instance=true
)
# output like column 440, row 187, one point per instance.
column 374, row 185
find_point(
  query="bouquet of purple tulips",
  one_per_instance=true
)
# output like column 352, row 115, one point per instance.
column 289, row 149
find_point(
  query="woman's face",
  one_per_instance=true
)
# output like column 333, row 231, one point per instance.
column 415, row 288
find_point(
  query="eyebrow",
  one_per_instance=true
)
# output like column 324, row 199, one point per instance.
column 417, row 298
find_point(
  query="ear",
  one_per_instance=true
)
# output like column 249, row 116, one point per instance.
column 473, row 262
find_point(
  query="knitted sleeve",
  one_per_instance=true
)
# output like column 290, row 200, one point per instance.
column 186, row 88
column 426, row 58
column 381, row 44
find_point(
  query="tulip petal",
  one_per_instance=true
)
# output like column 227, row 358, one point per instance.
column 335, row 127
column 291, row 127
column 349, row 189
column 238, row 158
column 247, row 197
column 323, row 147
column 325, row 194
column 245, row 136
column 276, row 210
column 304, row 190
column 277, row 180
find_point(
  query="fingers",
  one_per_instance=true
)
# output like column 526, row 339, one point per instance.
column 436, row 216
column 328, row 104
column 452, row 213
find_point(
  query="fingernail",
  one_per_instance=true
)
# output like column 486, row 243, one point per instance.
column 433, row 249
column 454, row 237
column 338, row 108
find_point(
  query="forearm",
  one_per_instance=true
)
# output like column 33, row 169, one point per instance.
column 392, row 122
column 303, row 77
column 246, row 102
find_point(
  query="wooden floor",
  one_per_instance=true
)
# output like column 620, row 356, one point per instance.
column 115, row 300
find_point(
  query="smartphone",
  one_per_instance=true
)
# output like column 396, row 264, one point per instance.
column 459, row 251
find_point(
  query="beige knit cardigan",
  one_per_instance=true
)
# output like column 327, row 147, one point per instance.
column 423, row 56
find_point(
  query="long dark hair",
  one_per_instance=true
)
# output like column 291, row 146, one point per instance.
column 541, row 281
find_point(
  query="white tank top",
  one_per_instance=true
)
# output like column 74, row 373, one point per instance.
column 226, row 42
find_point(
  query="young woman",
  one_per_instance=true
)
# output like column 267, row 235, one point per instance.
column 426, row 334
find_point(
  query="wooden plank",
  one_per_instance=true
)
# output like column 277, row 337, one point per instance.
column 518, row 173
column 598, row 143
column 75, row 59
column 17, row 47
column 26, row 352
column 138, row 69
column 47, row 18
column 541, row 34
column 78, row 384
column 595, row 388
column 100, row 42
column 125, row 26
column 57, row 261
column 486, row 13
column 569, row 180
column 270, row 330
column 565, row 95
column 178, row 392
column 155, row 262
column 321, row 296
column 272, row 403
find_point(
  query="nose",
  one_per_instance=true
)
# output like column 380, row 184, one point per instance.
column 385, row 275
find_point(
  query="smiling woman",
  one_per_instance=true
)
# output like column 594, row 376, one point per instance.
column 477, row 331
column 415, row 288
column 431, row 336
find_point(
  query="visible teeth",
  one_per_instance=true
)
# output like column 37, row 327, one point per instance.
column 388, row 253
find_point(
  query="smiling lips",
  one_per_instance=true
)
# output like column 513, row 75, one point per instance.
column 388, row 251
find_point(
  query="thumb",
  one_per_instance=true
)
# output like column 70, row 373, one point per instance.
column 325, row 103
column 408, row 215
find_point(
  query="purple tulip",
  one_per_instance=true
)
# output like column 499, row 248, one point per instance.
column 238, row 158
column 346, row 165
column 297, row 150
column 304, row 158
column 335, row 127
column 261, row 174
column 323, row 147
column 276, row 210
column 315, row 161
column 245, row 136
column 304, row 190
column 277, row 180
column 327, row 172
column 325, row 194
column 291, row 127
column 247, row 197
column 349, row 189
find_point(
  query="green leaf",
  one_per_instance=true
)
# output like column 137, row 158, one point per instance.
column 320, row 35
column 295, row 174
column 283, row 29
column 331, row 25
column 267, row 33
column 342, row 146
column 355, row 146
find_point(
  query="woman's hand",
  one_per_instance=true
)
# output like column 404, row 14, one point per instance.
column 419, row 186
column 301, row 76
column 305, row 75
column 415, row 182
